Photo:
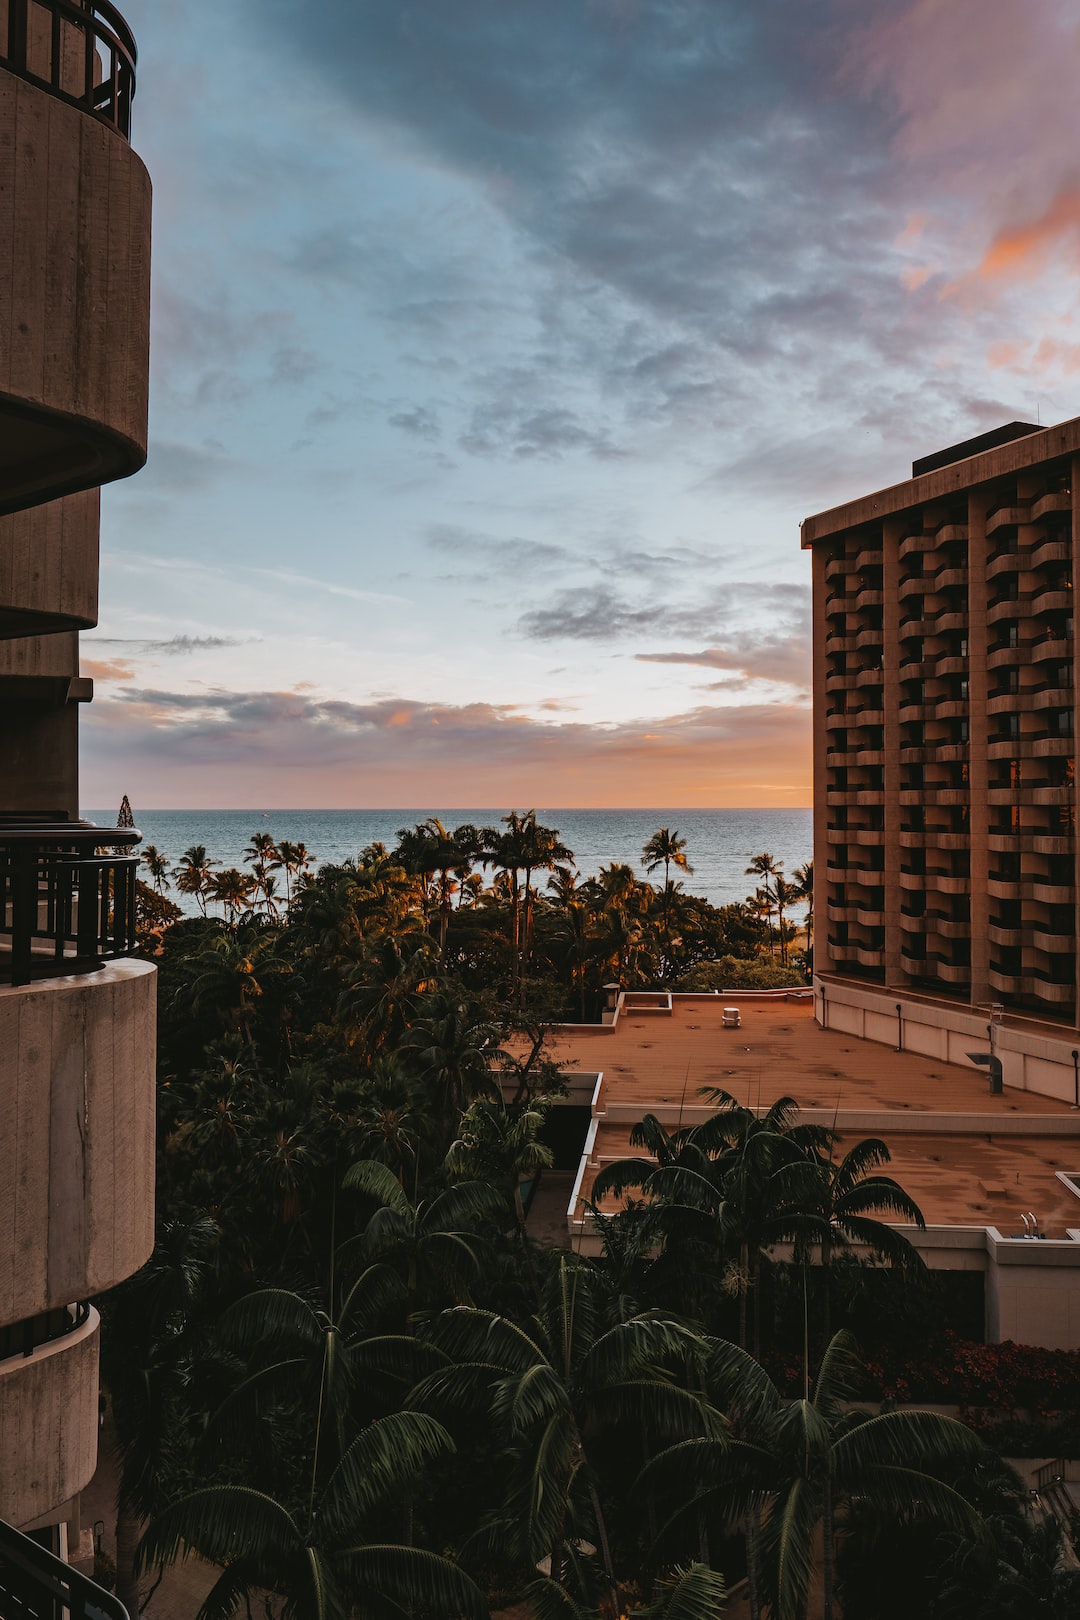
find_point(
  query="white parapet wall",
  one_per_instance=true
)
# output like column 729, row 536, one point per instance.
column 1033, row 1056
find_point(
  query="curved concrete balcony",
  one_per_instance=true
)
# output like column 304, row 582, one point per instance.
column 1007, row 562
column 1006, row 517
column 872, row 797
column 864, row 916
column 49, row 567
column 933, row 838
column 77, row 1178
column 950, row 534
column 917, row 585
column 932, row 923
column 76, row 199
column 1048, row 943
column 868, row 596
column 922, row 882
column 933, row 796
column 1051, row 550
column 930, row 753
column 1030, row 889
column 1010, row 657
column 936, row 625
column 1054, row 500
column 1049, row 650
column 49, row 1424
column 916, row 544
column 870, row 636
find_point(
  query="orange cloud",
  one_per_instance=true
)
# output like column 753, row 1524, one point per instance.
column 281, row 748
column 1019, row 253
column 106, row 670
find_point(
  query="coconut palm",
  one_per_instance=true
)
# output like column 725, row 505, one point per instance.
column 804, row 878
column 293, row 860
column 784, row 896
column 319, row 1557
column 500, row 1146
column 837, row 1201
column 665, row 849
column 763, row 866
column 453, row 1046
column 192, row 874
column 261, row 854
column 554, row 1388
column 232, row 890
column 435, row 1246
column 157, row 866
column 788, row 1470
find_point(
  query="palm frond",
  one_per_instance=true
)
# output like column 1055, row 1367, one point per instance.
column 842, row 1368
column 416, row 1578
column 790, row 1532
column 615, row 1178
column 270, row 1313
column 463, row 1207
column 377, row 1181
column 223, row 1524
column 643, row 1341
column 549, row 1600
column 467, row 1334
column 385, row 1458
column 695, row 1592
column 909, row 1438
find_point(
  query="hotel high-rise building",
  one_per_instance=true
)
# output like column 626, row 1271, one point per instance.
column 945, row 687
column 76, row 1011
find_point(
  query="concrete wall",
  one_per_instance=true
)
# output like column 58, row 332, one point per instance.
column 49, row 566
column 48, row 1425
column 1033, row 1057
column 77, row 1171
column 74, row 298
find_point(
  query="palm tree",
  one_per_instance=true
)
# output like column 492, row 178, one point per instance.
column 836, row 1203
column 433, row 1246
column 665, row 849
column 765, row 867
column 157, row 866
column 785, row 895
column 454, row 1048
column 500, row 1146
column 787, row 1469
column 261, row 854
column 804, row 878
column 320, row 1558
column 293, row 859
column 554, row 1388
column 232, row 889
column 430, row 851
column 192, row 874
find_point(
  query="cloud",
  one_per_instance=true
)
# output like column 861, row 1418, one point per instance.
column 601, row 614
column 419, row 420
column 171, row 646
column 759, row 657
column 296, row 747
column 105, row 670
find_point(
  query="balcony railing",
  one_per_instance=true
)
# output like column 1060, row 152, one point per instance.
column 80, row 50
column 67, row 897
column 35, row 1585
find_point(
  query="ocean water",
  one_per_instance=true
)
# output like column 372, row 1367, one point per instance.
column 719, row 843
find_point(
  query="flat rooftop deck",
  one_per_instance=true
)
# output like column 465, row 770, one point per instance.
column 966, row 1157
column 779, row 1051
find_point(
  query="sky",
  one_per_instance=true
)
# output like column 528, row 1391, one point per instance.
column 499, row 348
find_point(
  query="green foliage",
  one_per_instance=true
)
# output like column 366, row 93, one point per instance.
column 735, row 973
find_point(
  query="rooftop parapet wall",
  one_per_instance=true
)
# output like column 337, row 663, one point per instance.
column 945, row 482
column 74, row 298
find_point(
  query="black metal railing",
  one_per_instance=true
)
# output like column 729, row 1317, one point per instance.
column 23, row 1338
column 36, row 1585
column 67, row 897
column 80, row 50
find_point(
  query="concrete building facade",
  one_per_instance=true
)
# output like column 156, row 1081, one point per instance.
column 945, row 757
column 76, row 1013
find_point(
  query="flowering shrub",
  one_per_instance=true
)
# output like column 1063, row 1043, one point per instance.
column 1004, row 1378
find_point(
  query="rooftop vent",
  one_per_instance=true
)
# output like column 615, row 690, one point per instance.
column 973, row 447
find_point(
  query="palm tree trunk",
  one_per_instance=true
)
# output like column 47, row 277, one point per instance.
column 753, row 1562
column 605, row 1548
column 128, row 1531
column 827, row 1551
column 744, row 1263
